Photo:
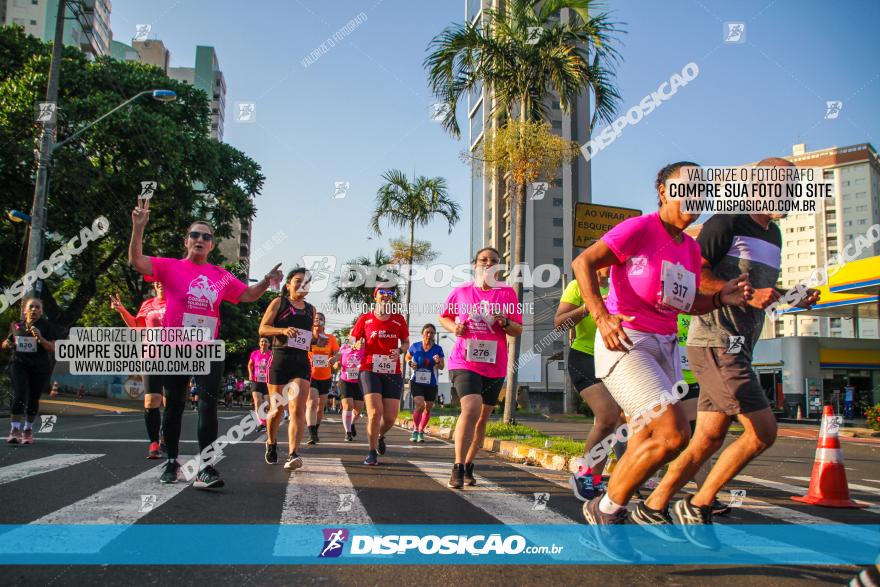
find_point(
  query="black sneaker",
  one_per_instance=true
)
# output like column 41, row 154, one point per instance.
column 372, row 459
column 720, row 509
column 456, row 480
column 271, row 454
column 606, row 536
column 208, row 478
column 293, row 463
column 169, row 473
column 583, row 487
column 658, row 523
column 382, row 445
column 354, row 432
column 696, row 523
column 313, row 436
column 348, row 437
column 469, row 474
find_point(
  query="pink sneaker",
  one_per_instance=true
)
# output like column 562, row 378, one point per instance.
column 14, row 436
column 28, row 436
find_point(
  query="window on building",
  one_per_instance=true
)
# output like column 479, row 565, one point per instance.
column 557, row 222
column 863, row 221
column 556, row 125
column 557, row 242
column 828, row 174
column 557, row 261
column 862, row 208
column 835, row 322
column 557, row 202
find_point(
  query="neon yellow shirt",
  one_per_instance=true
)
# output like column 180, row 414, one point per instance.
column 585, row 330
column 684, row 323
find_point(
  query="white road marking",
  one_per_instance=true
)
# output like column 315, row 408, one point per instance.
column 857, row 487
column 27, row 469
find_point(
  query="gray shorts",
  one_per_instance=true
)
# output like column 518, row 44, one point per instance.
column 727, row 382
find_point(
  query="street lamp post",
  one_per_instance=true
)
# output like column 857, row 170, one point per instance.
column 47, row 148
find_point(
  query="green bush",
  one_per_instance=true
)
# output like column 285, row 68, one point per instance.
column 872, row 416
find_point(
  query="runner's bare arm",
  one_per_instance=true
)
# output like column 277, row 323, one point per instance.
column 254, row 292
column 568, row 315
column 266, row 328
column 139, row 217
column 597, row 256
column 251, row 370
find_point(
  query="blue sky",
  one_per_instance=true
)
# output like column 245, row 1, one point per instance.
column 363, row 107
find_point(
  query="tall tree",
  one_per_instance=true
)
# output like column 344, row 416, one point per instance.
column 360, row 277
column 521, row 54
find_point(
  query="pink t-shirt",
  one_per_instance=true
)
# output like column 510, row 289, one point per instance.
column 151, row 313
column 193, row 292
column 349, row 363
column 474, row 306
column 641, row 245
column 261, row 365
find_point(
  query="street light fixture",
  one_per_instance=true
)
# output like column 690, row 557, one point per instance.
column 47, row 148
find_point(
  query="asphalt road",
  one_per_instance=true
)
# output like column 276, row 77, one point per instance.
column 107, row 460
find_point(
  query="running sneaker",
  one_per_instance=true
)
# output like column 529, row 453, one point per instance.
column 720, row 509
column 27, row 437
column 421, row 437
column 372, row 459
column 658, row 523
column 262, row 426
column 382, row 445
column 14, row 436
column 696, row 523
column 582, row 486
column 414, row 437
column 348, row 437
column 469, row 474
column 169, row 473
column 354, row 432
column 293, row 463
column 606, row 536
column 271, row 453
column 208, row 478
column 313, row 439
column 153, row 452
column 456, row 480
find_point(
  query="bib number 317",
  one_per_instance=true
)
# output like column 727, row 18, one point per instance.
column 679, row 286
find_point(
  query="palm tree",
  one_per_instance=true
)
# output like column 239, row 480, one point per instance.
column 406, row 204
column 521, row 68
column 355, row 287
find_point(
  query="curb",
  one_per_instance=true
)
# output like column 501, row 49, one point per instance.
column 509, row 450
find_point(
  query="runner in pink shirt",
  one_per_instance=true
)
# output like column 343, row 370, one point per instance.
column 150, row 315
column 194, row 290
column 655, row 275
column 258, row 375
column 482, row 314
column 349, row 365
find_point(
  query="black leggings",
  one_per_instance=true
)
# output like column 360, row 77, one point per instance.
column 176, row 393
column 27, row 387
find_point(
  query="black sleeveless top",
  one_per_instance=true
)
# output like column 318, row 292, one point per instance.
column 288, row 316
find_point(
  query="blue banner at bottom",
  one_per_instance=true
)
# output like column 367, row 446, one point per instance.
column 205, row 544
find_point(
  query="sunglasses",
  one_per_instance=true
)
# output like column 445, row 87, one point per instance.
column 205, row 236
column 386, row 292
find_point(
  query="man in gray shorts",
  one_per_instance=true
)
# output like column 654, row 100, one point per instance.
column 719, row 348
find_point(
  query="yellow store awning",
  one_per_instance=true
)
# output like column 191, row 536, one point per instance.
column 849, row 358
column 840, row 305
column 857, row 277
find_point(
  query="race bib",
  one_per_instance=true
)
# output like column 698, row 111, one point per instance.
column 679, row 286
column 384, row 364
column 683, row 355
column 199, row 321
column 261, row 378
column 423, row 376
column 482, row 351
column 352, row 372
column 301, row 341
column 26, row 344
column 320, row 360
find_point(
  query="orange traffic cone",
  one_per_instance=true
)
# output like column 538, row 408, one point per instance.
column 800, row 413
column 828, row 486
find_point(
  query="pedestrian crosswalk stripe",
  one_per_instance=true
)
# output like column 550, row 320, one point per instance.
column 872, row 480
column 320, row 493
column 113, row 508
column 506, row 506
column 27, row 469
column 856, row 486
